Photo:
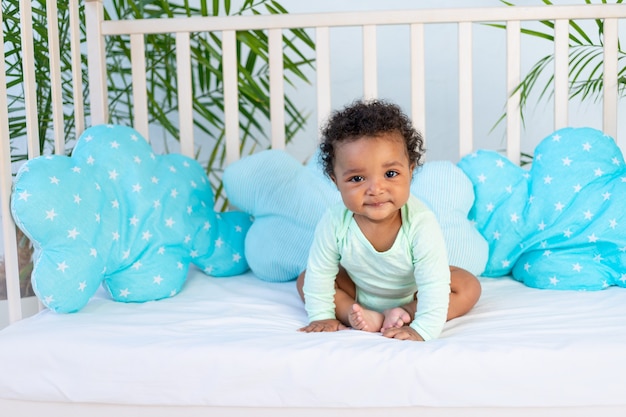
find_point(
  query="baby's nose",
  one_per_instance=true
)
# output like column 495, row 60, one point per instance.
column 375, row 186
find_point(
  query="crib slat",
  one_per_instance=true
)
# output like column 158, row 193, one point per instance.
column 322, row 50
column 370, row 62
column 561, row 76
column 466, row 116
column 55, row 77
column 8, row 226
column 77, row 77
column 513, row 78
column 609, row 103
column 277, row 89
column 138, row 71
column 30, row 85
column 418, row 78
column 185, row 93
column 98, row 100
column 231, row 93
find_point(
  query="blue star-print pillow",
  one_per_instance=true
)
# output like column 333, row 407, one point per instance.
column 114, row 213
column 560, row 225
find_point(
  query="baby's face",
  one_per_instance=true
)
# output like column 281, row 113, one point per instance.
column 373, row 175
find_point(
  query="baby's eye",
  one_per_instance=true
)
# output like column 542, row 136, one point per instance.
column 391, row 174
column 356, row 178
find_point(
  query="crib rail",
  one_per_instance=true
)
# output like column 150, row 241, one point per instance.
column 320, row 25
column 369, row 21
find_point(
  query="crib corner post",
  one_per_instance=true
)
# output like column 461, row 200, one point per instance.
column 96, row 61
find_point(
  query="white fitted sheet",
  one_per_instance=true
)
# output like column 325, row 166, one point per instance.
column 234, row 342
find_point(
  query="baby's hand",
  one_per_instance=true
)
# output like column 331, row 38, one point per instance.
column 402, row 333
column 329, row 325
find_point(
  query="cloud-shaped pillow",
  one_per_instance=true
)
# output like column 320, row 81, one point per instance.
column 450, row 194
column 287, row 199
column 561, row 225
column 116, row 214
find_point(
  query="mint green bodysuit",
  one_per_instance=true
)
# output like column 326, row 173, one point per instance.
column 417, row 261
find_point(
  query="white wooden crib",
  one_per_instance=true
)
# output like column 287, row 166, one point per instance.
column 229, row 347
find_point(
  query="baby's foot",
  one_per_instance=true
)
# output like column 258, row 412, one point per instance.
column 363, row 319
column 395, row 317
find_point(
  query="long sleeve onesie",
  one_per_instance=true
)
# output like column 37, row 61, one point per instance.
column 417, row 261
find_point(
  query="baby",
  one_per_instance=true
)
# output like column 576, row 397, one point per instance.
column 378, row 261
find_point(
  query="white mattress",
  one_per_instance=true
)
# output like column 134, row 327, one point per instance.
column 234, row 342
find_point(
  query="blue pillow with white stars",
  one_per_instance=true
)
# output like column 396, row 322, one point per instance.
column 116, row 214
column 561, row 224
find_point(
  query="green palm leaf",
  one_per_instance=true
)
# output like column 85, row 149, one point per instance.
column 207, row 81
column 585, row 64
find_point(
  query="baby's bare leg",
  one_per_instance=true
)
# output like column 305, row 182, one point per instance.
column 345, row 294
column 346, row 308
column 464, row 294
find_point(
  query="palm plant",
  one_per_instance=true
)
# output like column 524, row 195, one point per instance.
column 253, row 77
column 160, row 62
column 14, row 74
column 585, row 64
column 207, row 77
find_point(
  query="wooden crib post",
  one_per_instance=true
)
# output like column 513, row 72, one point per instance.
column 8, row 226
column 513, row 78
column 28, row 68
column 96, row 62
column 561, row 70
column 610, row 91
column 466, row 90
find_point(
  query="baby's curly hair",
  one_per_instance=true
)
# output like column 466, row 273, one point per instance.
column 368, row 118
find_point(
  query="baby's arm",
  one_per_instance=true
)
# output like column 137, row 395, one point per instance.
column 432, row 276
column 319, row 279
